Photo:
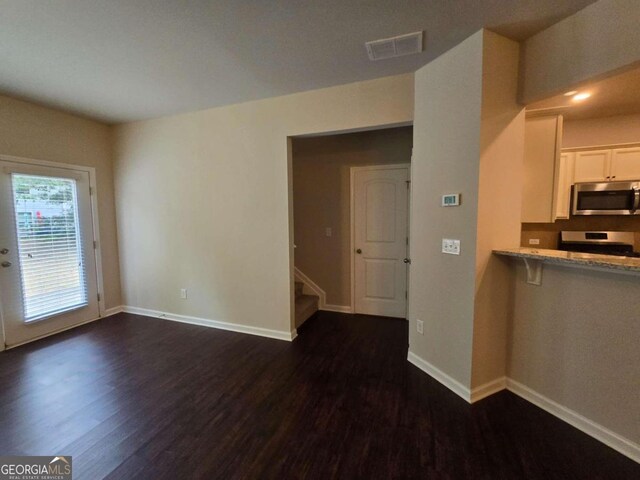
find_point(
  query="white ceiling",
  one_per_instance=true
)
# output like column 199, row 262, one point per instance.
column 615, row 95
column 123, row 60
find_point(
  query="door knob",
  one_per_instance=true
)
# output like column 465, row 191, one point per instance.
column 407, row 260
column 4, row 251
column 359, row 251
column 5, row 264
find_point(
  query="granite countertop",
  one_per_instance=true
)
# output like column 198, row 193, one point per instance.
column 609, row 262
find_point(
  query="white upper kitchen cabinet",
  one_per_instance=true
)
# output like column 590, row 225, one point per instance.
column 565, row 180
column 542, row 142
column 607, row 165
column 625, row 164
column 592, row 166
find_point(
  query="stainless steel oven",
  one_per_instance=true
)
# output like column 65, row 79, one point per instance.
column 606, row 243
column 610, row 198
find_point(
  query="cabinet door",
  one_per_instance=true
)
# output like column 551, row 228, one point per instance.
column 542, row 137
column 565, row 180
column 592, row 166
column 625, row 164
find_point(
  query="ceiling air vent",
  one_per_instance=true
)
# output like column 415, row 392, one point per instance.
column 395, row 47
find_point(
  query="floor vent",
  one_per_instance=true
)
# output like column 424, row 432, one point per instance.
column 395, row 47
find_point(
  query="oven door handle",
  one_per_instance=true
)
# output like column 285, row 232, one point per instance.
column 636, row 199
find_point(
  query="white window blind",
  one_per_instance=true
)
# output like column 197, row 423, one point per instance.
column 49, row 245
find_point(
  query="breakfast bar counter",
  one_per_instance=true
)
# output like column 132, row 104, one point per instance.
column 535, row 256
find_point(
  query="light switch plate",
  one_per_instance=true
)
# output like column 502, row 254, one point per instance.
column 328, row 232
column 451, row 246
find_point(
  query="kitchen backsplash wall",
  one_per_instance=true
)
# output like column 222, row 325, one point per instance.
column 548, row 233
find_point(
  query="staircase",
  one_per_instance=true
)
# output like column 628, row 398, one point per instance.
column 306, row 305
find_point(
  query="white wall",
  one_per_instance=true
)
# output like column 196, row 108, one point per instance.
column 32, row 131
column 468, row 139
column 203, row 204
column 446, row 153
column 594, row 42
column 500, row 181
column 601, row 131
column 575, row 341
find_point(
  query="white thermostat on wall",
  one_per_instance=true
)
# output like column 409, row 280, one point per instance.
column 451, row 200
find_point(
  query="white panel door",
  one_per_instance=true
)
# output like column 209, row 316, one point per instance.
column 48, row 276
column 380, row 240
column 625, row 164
column 592, row 166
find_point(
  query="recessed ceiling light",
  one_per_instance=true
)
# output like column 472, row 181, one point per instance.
column 571, row 93
column 581, row 96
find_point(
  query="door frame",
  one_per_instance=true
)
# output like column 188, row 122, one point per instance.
column 95, row 230
column 352, row 223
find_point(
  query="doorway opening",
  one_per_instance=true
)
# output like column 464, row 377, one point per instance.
column 350, row 216
column 50, row 269
column 587, row 139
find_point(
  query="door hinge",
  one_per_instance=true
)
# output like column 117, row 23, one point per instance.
column 408, row 182
column 406, row 295
column 90, row 190
column 98, row 297
column 95, row 244
column 407, row 241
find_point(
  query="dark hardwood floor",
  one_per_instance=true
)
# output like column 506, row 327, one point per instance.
column 135, row 397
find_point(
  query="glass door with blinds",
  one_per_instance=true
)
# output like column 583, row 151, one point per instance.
column 48, row 276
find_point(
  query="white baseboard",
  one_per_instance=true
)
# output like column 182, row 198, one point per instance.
column 113, row 311
column 593, row 429
column 205, row 322
column 488, row 389
column 617, row 442
column 449, row 382
column 337, row 308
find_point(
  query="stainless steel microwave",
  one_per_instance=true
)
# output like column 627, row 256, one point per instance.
column 610, row 198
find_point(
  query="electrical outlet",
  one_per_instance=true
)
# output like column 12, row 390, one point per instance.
column 534, row 241
column 450, row 246
column 328, row 232
column 183, row 293
column 420, row 327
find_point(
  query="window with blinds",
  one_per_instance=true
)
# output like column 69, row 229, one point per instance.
column 49, row 245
